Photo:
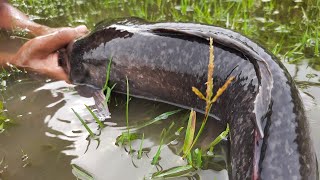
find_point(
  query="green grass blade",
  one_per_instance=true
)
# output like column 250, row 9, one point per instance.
column 80, row 173
column 140, row 148
column 174, row 172
column 162, row 116
column 83, row 123
column 107, row 75
column 125, row 138
column 179, row 131
column 108, row 93
column 95, row 117
column 218, row 139
column 127, row 113
column 155, row 159
column 198, row 158
column 189, row 132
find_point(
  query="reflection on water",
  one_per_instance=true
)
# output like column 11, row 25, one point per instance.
column 47, row 131
column 52, row 137
column 28, row 135
column 307, row 79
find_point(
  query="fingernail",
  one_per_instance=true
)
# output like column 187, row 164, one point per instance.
column 82, row 29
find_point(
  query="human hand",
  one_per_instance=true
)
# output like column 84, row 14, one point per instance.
column 40, row 54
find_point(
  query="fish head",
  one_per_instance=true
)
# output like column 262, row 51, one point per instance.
column 63, row 58
column 81, row 70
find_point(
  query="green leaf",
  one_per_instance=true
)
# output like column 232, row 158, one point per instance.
column 127, row 112
column 95, row 117
column 108, row 93
column 107, row 75
column 218, row 139
column 162, row 116
column 140, row 148
column 80, row 173
column 174, row 172
column 155, row 159
column 189, row 132
column 126, row 137
column 198, row 158
column 84, row 124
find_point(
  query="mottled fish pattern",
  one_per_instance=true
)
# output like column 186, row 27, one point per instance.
column 269, row 133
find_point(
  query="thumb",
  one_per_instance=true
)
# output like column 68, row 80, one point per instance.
column 54, row 41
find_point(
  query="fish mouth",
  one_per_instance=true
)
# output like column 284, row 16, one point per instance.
column 64, row 57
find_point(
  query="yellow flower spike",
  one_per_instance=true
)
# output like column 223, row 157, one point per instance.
column 222, row 89
column 198, row 93
column 210, row 71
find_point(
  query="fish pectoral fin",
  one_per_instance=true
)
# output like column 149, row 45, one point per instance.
column 100, row 107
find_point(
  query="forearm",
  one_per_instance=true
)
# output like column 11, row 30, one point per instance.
column 12, row 18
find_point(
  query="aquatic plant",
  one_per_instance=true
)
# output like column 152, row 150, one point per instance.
column 209, row 98
column 106, row 89
column 141, row 147
column 92, row 135
column 127, row 114
column 101, row 125
column 80, row 173
column 195, row 157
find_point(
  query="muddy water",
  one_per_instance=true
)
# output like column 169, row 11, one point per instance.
column 45, row 137
column 49, row 134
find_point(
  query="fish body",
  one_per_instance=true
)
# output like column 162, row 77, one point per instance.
column 269, row 132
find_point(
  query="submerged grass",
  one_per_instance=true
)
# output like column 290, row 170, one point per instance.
column 101, row 125
column 159, row 118
column 92, row 135
column 141, row 147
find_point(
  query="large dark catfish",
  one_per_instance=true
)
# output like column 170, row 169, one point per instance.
column 269, row 132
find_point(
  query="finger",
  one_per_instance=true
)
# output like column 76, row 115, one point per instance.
column 52, row 42
column 49, row 66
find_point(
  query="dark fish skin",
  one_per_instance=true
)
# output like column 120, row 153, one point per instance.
column 164, row 60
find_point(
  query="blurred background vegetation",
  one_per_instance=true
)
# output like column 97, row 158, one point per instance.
column 288, row 28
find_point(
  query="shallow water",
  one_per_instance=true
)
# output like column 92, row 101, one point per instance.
column 46, row 131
